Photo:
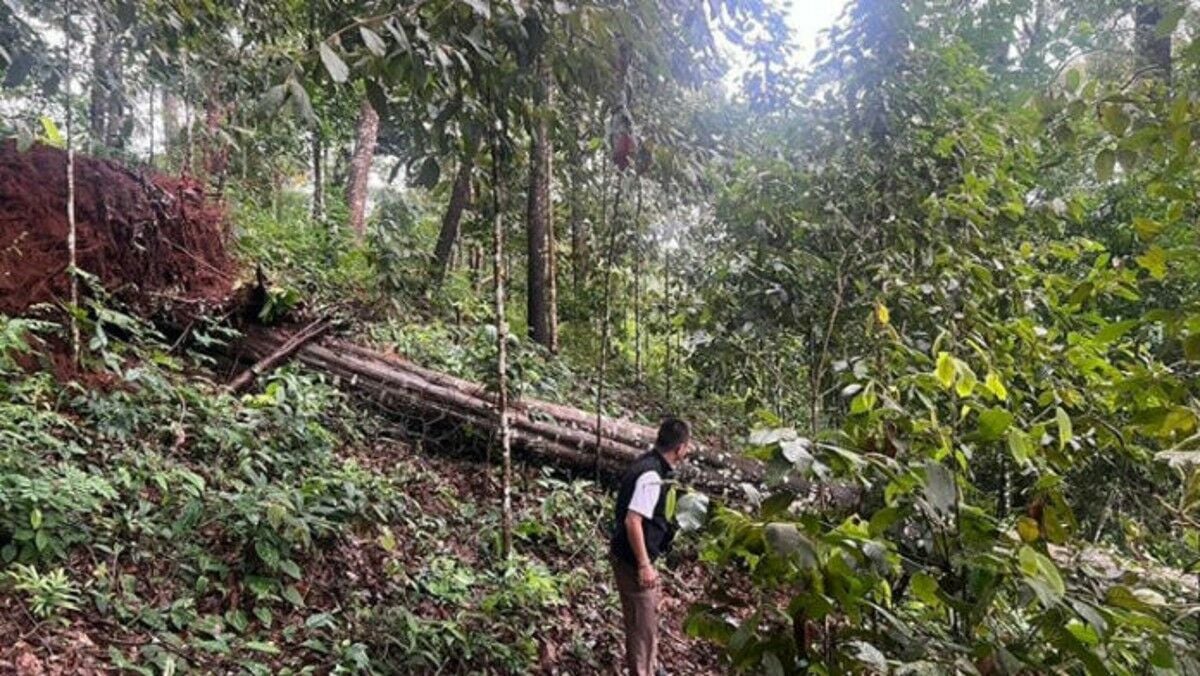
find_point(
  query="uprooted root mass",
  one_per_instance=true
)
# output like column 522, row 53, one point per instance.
column 154, row 241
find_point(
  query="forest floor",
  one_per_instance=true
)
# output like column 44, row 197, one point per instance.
column 152, row 522
column 420, row 591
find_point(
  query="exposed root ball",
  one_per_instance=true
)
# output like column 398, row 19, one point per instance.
column 153, row 241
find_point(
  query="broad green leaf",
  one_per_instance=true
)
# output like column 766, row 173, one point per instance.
column 373, row 42
column 1042, row 576
column 1191, row 347
column 1074, row 79
column 705, row 623
column 1065, row 433
column 1154, row 261
column 290, row 568
column 993, row 423
column 1115, row 330
column 967, row 380
column 1028, row 529
column 1146, row 228
column 865, row 401
column 924, row 587
column 267, row 553
column 996, row 386
column 1114, row 119
column 1128, row 159
column 263, row 647
column 338, row 70
column 292, row 596
column 51, row 134
column 945, row 370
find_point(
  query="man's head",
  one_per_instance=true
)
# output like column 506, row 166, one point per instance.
column 673, row 440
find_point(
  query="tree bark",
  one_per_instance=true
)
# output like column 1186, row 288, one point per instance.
column 540, row 294
column 501, row 350
column 318, row 156
column 579, row 236
column 460, row 197
column 560, row 433
column 606, row 318
column 214, row 155
column 72, row 258
column 1153, row 51
column 106, row 105
column 171, row 106
column 360, row 166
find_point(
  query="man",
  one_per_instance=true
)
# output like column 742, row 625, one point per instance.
column 641, row 533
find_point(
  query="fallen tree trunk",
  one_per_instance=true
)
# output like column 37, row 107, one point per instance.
column 282, row 354
column 561, row 434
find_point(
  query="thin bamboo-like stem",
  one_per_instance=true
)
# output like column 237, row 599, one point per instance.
column 637, row 285
column 605, row 317
column 72, row 258
column 501, row 349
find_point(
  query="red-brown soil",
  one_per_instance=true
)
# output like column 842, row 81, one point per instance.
column 154, row 242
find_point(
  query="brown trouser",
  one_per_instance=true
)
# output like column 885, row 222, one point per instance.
column 639, row 607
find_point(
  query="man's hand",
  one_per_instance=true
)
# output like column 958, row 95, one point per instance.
column 647, row 576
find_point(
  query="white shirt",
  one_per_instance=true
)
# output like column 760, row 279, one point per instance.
column 645, row 494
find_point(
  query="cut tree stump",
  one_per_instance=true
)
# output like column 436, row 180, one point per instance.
column 560, row 434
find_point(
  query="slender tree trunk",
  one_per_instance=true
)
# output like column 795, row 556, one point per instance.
column 101, row 72
column 577, row 232
column 539, row 224
column 72, row 260
column 186, row 160
column 460, row 197
column 214, row 154
column 668, row 312
column 1153, row 50
column 605, row 318
column 171, row 106
column 552, row 283
column 150, row 123
column 637, row 285
column 501, row 349
column 360, row 166
column 318, row 174
column 119, row 124
column 317, row 211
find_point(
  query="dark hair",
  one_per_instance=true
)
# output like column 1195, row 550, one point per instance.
column 672, row 434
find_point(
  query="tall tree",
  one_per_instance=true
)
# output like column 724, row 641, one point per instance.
column 366, row 133
column 538, row 218
column 460, row 198
column 501, row 348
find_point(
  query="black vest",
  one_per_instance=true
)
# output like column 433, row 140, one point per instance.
column 657, row 531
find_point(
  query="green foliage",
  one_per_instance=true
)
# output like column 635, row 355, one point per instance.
column 990, row 369
column 322, row 264
column 47, row 595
